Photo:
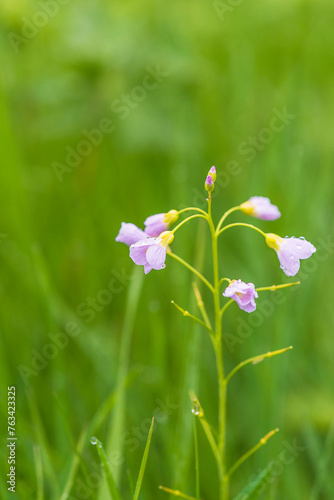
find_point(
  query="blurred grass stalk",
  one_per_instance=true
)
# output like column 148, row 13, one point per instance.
column 118, row 418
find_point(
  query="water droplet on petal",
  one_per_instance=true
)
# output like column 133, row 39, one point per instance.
column 94, row 441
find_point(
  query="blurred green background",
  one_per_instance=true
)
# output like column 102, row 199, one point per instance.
column 222, row 71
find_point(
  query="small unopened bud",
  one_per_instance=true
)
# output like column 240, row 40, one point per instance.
column 213, row 173
column 209, row 184
column 171, row 217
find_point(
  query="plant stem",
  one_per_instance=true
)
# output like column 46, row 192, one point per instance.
column 196, row 216
column 226, row 214
column 241, row 224
column 190, row 209
column 255, row 360
column 261, row 443
column 217, row 343
column 192, row 269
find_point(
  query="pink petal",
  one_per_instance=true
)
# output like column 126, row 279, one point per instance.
column 156, row 256
column 138, row 255
column 129, row 234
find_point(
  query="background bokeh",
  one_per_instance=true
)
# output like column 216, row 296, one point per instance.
column 224, row 74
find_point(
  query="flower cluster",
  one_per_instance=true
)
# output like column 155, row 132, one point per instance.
column 149, row 247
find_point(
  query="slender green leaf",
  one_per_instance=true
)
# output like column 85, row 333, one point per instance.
column 39, row 473
column 112, row 488
column 196, row 459
column 114, row 439
column 75, row 464
column 143, row 462
column 253, row 490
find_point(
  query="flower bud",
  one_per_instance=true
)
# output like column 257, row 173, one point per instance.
column 209, row 184
column 213, row 173
column 171, row 217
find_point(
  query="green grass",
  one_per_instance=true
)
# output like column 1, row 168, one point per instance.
column 225, row 80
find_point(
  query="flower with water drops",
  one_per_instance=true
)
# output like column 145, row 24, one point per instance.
column 151, row 252
column 243, row 293
column 290, row 251
column 260, row 207
column 157, row 224
column 130, row 234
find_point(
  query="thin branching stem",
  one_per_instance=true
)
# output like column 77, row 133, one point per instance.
column 201, row 306
column 241, row 224
column 192, row 209
column 196, row 216
column 261, row 443
column 273, row 288
column 256, row 359
column 192, row 269
column 186, row 313
column 226, row 214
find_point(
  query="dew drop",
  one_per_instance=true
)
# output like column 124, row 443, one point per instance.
column 93, row 441
column 196, row 410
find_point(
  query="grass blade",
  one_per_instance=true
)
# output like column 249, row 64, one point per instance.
column 114, row 494
column 39, row 472
column 75, row 464
column 196, row 459
column 143, row 462
column 253, row 490
column 114, row 440
column 191, row 352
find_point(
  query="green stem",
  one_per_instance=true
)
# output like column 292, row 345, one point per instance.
column 196, row 216
column 217, row 343
column 226, row 214
column 192, row 269
column 190, row 209
column 236, row 224
column 224, row 279
column 255, row 360
column 261, row 443
column 201, row 306
column 176, row 493
column 273, row 288
column 186, row 313
column 228, row 304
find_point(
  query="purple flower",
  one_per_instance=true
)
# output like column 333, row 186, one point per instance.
column 151, row 252
column 260, row 207
column 157, row 224
column 243, row 293
column 130, row 233
column 290, row 251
